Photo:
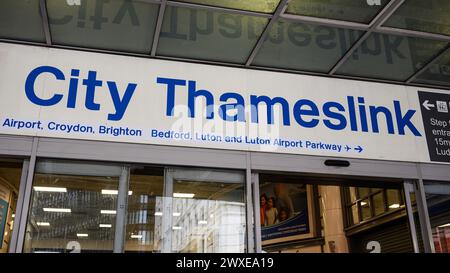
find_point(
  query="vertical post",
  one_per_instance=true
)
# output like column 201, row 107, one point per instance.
column 121, row 211
column 249, row 206
column 256, row 209
column 424, row 218
column 166, row 229
column 19, row 206
column 26, row 198
column 407, row 186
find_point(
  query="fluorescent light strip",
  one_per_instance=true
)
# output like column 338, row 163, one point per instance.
column 136, row 236
column 82, row 235
column 56, row 210
column 158, row 213
column 176, row 214
column 363, row 203
column 176, row 228
column 202, row 222
column 114, row 192
column 43, row 224
column 394, row 206
column 107, row 211
column 445, row 225
column 183, row 195
column 105, row 225
column 50, row 189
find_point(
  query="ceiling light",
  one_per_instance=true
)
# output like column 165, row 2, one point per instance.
column 56, row 210
column 363, row 204
column 158, row 213
column 183, row 195
column 445, row 225
column 43, row 224
column 176, row 228
column 105, row 225
column 13, row 215
column 202, row 222
column 394, row 206
column 176, row 214
column 136, row 236
column 103, row 211
column 50, row 189
column 114, row 192
column 82, row 235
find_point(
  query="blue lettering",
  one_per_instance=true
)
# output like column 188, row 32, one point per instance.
column 29, row 85
column 341, row 118
column 312, row 111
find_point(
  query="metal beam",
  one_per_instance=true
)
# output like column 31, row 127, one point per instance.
column 429, row 64
column 382, row 16
column 323, row 21
column 159, row 22
column 280, row 9
column 218, row 9
column 45, row 24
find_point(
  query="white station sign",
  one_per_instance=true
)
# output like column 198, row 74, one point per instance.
column 78, row 95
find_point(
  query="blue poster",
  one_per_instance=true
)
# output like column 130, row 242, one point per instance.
column 3, row 215
column 283, row 211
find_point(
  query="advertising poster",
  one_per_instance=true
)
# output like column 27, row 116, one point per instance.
column 283, row 212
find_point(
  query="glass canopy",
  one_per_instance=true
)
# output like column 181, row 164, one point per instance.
column 378, row 40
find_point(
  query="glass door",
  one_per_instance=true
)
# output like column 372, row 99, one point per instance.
column 203, row 211
column 73, row 207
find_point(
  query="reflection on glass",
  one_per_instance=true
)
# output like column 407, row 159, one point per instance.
column 438, row 202
column 10, row 174
column 68, row 210
column 348, row 10
column 145, row 190
column 363, row 192
column 355, row 215
column 390, row 57
column 267, row 6
column 304, row 47
column 208, row 35
column 365, row 209
column 114, row 24
column 21, row 19
column 211, row 221
column 438, row 73
column 393, row 199
column 378, row 203
column 427, row 16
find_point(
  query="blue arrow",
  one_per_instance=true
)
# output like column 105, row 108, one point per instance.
column 359, row 149
column 347, row 148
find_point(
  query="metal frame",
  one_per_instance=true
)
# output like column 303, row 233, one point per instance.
column 408, row 188
column 376, row 25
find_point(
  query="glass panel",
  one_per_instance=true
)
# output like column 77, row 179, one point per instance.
column 304, row 47
column 72, row 208
column 378, row 203
column 427, row 16
column 353, row 195
column 10, row 174
column 348, row 10
column 208, row 216
column 267, row 6
column 355, row 216
column 208, row 35
column 363, row 192
column 365, row 209
column 390, row 57
column 21, row 19
column 438, row 73
column 113, row 24
column 393, row 199
column 145, row 191
column 438, row 202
